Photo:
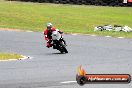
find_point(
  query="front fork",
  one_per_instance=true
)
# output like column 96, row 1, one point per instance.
column 62, row 40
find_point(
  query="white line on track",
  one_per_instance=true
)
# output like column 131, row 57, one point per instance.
column 93, row 35
column 25, row 57
column 67, row 82
column 29, row 31
column 120, row 37
column 107, row 36
column 74, row 34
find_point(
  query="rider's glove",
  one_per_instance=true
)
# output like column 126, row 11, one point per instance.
column 60, row 32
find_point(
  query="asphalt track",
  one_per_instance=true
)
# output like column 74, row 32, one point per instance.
column 49, row 69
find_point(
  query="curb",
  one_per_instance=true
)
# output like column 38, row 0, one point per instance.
column 23, row 58
column 95, row 35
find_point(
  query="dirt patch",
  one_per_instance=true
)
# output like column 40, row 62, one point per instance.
column 10, row 29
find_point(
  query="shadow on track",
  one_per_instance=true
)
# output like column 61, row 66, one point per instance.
column 58, row 53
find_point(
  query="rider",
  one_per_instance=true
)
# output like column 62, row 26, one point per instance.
column 48, row 32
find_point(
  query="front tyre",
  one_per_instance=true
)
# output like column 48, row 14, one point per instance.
column 63, row 48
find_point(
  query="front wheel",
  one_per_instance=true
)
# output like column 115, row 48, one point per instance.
column 63, row 48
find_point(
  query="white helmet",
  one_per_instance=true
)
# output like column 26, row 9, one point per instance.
column 49, row 24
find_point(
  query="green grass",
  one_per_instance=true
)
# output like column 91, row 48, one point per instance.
column 7, row 56
column 69, row 18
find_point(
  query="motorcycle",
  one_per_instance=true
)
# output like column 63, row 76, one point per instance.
column 58, row 42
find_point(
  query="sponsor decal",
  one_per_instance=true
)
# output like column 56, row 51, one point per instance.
column 83, row 78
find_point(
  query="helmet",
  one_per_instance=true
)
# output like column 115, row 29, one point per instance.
column 49, row 24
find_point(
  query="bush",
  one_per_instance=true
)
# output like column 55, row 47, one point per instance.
column 86, row 2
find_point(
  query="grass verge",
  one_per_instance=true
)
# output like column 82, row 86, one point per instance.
column 69, row 18
column 7, row 56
